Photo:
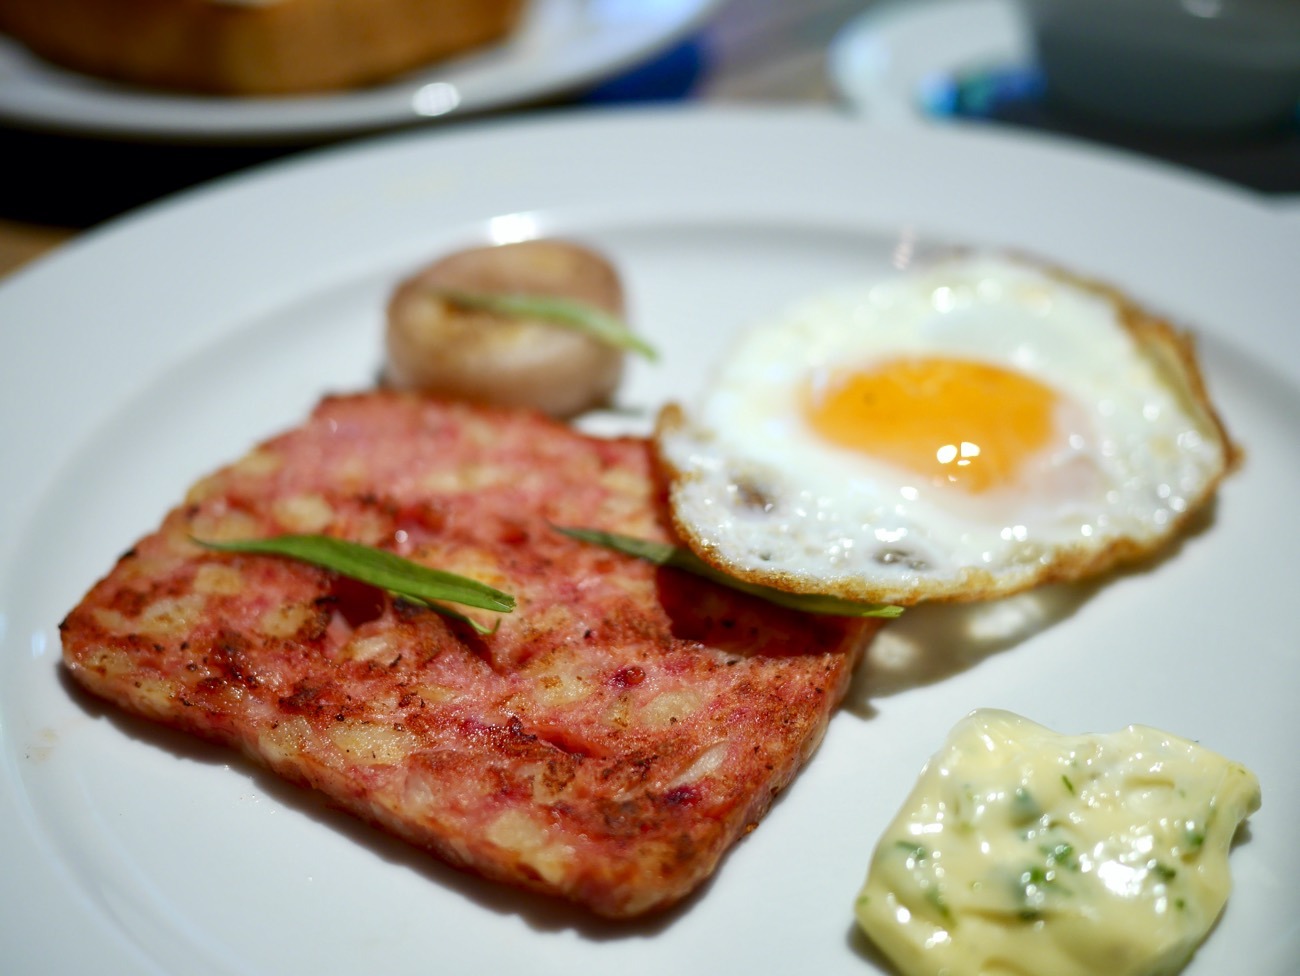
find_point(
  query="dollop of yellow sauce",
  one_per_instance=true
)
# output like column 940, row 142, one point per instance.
column 1022, row 852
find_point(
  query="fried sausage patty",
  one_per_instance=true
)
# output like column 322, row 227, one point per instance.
column 606, row 744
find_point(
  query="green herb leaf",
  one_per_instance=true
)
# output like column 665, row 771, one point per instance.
column 935, row 897
column 573, row 314
column 1024, row 808
column 1060, row 855
column 378, row 567
column 1163, row 871
column 664, row 554
column 913, row 850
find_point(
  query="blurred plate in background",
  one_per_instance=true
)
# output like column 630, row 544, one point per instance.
column 938, row 61
column 561, row 46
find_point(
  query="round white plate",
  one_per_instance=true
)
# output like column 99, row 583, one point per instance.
column 886, row 59
column 562, row 45
column 152, row 350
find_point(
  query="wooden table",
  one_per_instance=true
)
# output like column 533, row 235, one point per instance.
column 751, row 50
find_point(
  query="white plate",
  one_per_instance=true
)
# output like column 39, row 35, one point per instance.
column 145, row 353
column 562, row 45
column 886, row 59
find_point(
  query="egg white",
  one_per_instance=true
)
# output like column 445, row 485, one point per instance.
column 755, row 490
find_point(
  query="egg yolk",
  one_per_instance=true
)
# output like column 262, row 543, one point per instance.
column 955, row 421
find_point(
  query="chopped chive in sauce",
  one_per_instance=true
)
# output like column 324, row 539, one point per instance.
column 933, row 896
column 1024, row 807
column 1034, row 877
column 1060, row 855
column 914, row 851
column 1032, row 889
column 1163, row 871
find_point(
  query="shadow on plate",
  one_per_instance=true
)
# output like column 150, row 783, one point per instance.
column 866, row 950
column 932, row 642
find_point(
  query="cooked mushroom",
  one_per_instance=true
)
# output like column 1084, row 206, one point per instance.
column 441, row 342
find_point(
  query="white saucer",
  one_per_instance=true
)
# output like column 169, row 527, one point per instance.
column 882, row 63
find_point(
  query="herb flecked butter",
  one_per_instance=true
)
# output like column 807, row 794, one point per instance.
column 1021, row 851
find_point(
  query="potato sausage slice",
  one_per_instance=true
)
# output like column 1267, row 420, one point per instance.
column 437, row 346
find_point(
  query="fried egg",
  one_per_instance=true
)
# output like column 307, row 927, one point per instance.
column 960, row 431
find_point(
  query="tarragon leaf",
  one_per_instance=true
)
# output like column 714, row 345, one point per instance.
column 666, row 554
column 378, row 567
column 568, row 312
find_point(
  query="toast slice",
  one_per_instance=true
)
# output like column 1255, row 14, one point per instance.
column 255, row 47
